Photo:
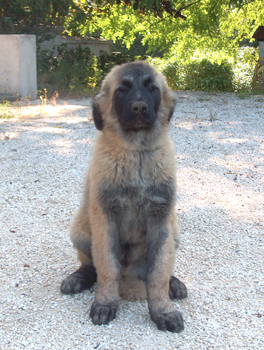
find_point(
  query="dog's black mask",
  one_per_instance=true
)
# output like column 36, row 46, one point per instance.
column 136, row 101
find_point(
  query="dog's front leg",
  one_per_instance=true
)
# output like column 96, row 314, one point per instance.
column 105, row 251
column 160, row 258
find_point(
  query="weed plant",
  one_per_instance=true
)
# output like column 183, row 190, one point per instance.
column 5, row 110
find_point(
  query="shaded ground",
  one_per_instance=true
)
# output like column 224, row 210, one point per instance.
column 219, row 147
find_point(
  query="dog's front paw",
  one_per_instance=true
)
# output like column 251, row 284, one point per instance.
column 171, row 321
column 103, row 313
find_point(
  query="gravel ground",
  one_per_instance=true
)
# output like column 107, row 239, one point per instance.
column 219, row 147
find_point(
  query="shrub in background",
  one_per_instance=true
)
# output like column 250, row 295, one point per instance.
column 196, row 75
column 243, row 68
column 173, row 72
column 72, row 70
column 210, row 71
column 76, row 70
column 174, row 76
column 207, row 76
column 108, row 60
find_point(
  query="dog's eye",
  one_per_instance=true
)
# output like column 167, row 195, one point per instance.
column 123, row 89
column 150, row 87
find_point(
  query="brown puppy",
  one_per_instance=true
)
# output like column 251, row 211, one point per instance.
column 126, row 228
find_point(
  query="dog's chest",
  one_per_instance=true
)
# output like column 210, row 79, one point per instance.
column 138, row 191
column 126, row 209
column 124, row 200
column 136, row 169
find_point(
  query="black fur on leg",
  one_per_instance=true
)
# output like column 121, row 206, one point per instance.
column 80, row 280
column 177, row 289
column 103, row 313
column 171, row 321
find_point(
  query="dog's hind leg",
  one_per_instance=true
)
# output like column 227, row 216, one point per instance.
column 86, row 275
column 177, row 289
column 81, row 279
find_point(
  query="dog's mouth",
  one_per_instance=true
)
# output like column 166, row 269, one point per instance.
column 137, row 125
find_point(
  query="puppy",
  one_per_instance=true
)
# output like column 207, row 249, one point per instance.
column 125, row 231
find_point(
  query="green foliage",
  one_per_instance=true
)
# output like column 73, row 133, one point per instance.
column 204, row 51
column 76, row 70
column 71, row 70
column 136, row 47
column 77, row 66
column 173, row 76
column 173, row 72
column 207, row 76
column 210, row 71
column 243, row 95
column 156, row 8
column 5, row 111
column 37, row 16
column 197, row 75
column 79, row 71
column 210, row 25
column 107, row 61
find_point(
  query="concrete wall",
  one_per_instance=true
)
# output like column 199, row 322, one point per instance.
column 95, row 45
column 18, row 67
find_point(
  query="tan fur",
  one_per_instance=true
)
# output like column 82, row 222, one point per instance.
column 141, row 162
column 111, row 156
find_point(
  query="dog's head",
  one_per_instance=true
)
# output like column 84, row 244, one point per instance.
column 135, row 97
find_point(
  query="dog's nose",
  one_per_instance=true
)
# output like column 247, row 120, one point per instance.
column 139, row 107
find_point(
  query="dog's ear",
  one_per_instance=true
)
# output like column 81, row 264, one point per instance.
column 97, row 116
column 173, row 104
column 171, row 113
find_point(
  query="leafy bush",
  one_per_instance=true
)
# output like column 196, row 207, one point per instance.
column 210, row 70
column 76, row 70
column 172, row 71
column 207, row 76
column 72, row 70
column 243, row 68
column 79, row 71
column 173, row 75
column 108, row 60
